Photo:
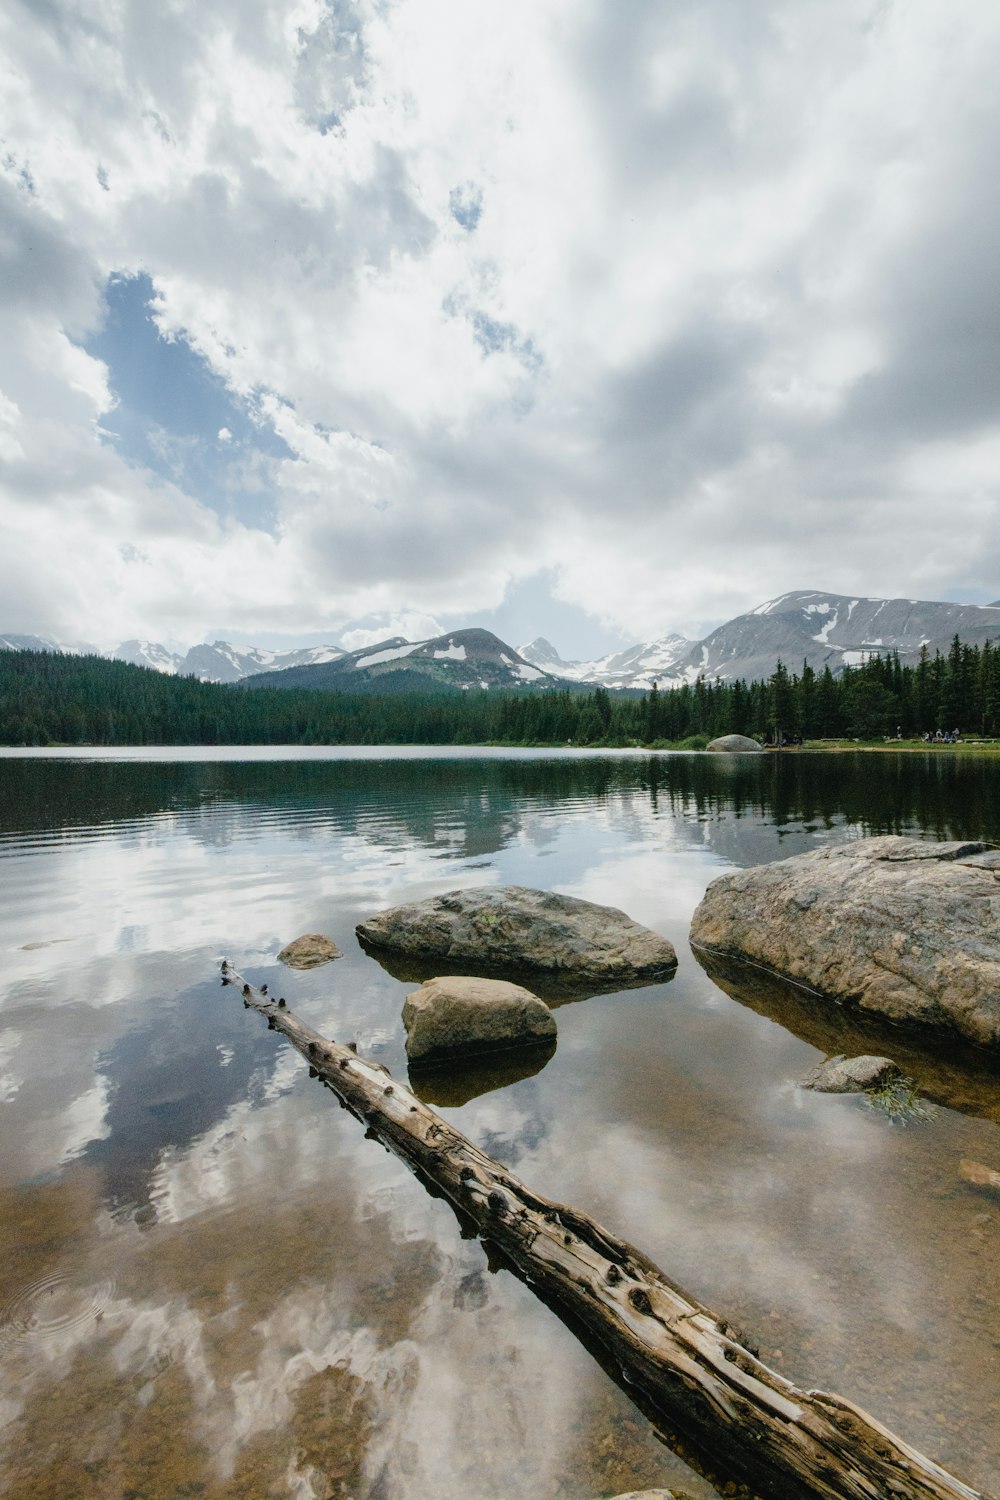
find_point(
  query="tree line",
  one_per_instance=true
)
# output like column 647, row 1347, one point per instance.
column 52, row 699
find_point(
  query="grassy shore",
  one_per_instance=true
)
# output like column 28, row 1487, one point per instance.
column 970, row 746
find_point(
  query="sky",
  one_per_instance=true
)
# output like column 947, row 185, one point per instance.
column 324, row 320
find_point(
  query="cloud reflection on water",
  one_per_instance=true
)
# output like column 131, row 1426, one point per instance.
column 295, row 1310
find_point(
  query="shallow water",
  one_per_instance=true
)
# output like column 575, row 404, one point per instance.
column 212, row 1284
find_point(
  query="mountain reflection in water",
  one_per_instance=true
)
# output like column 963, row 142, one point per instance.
column 213, row 1284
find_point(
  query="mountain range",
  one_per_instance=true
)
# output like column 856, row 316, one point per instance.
column 462, row 659
column 822, row 629
column 219, row 662
column 832, row 630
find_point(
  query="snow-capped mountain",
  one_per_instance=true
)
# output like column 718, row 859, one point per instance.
column 219, row 662
column 831, row 630
column 461, row 659
column 40, row 643
column 823, row 629
column 635, row 667
column 223, row 662
column 148, row 654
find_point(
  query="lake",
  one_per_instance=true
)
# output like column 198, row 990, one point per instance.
column 213, row 1284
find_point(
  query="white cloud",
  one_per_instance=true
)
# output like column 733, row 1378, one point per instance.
column 410, row 624
column 690, row 307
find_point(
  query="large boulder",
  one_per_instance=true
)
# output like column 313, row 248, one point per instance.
column 728, row 743
column 448, row 1017
column 515, row 928
column 903, row 928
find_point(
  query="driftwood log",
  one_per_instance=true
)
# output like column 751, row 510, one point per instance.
column 687, row 1369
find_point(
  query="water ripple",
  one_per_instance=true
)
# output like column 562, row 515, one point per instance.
column 52, row 1306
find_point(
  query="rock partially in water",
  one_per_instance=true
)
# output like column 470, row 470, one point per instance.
column 309, row 951
column 728, row 744
column 516, row 928
column 454, row 1017
column 901, row 927
column 853, row 1075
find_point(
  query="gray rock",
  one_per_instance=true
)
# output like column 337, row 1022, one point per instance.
column 905, row 929
column 515, row 928
column 853, row 1075
column 447, row 1017
column 309, row 951
column 728, row 743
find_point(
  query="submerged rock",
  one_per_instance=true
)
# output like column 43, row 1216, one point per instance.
column 729, row 743
column 514, row 927
column 461, row 1015
column 899, row 927
column 853, row 1075
column 979, row 1174
column 469, row 1077
column 309, row 951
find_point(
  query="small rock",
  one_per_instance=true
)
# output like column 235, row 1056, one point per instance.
column 979, row 1175
column 852, row 1075
column 309, row 951
column 448, row 1017
column 729, row 744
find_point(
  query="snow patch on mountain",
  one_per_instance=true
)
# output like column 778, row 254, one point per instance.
column 393, row 653
column 635, row 667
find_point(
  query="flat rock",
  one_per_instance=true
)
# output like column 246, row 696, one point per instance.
column 309, row 951
column 461, row 1014
column 853, row 1075
column 729, row 743
column 902, row 928
column 515, row 928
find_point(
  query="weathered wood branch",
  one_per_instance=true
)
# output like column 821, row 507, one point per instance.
column 690, row 1369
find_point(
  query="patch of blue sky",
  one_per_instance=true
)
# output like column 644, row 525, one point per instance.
column 466, row 205
column 494, row 337
column 175, row 416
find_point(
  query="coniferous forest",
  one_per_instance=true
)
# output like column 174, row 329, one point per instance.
column 51, row 699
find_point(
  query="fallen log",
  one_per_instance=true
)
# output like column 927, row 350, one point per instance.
column 688, row 1369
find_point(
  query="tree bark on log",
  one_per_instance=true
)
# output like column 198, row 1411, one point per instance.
column 690, row 1369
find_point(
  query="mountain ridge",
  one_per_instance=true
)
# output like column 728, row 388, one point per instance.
column 457, row 659
column 803, row 625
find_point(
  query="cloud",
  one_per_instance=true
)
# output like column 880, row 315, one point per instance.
column 412, row 625
column 685, row 309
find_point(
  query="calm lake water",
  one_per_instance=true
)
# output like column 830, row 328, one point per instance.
column 212, row 1284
